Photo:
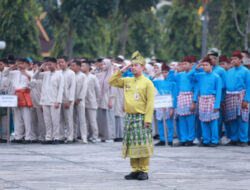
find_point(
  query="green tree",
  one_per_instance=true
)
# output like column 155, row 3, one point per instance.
column 145, row 35
column 74, row 17
column 183, row 30
column 18, row 28
column 229, row 38
column 128, row 9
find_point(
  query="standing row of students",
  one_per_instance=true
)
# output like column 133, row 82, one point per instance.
column 60, row 101
column 207, row 100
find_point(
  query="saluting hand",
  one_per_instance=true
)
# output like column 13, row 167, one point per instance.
column 125, row 68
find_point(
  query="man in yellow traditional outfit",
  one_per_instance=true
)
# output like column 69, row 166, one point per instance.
column 139, row 107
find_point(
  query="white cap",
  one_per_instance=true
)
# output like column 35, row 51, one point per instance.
column 121, row 57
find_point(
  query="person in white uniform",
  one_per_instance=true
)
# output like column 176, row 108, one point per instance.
column 79, row 107
column 105, row 113
column 3, row 90
column 22, row 117
column 36, row 112
column 118, row 111
column 51, row 99
column 68, row 100
column 91, row 101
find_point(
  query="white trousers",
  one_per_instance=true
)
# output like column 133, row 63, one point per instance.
column 80, row 121
column 91, row 120
column 38, row 123
column 52, row 122
column 66, row 122
column 22, row 124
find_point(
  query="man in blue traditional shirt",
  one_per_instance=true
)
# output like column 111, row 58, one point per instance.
column 237, row 100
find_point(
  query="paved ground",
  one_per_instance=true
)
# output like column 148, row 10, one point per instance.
column 100, row 166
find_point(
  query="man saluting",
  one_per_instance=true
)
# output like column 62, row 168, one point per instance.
column 139, row 107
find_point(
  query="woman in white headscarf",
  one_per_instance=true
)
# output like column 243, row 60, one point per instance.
column 157, row 72
column 105, row 114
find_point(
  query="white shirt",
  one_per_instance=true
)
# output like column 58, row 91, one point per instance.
column 52, row 87
column 104, row 100
column 3, row 81
column 93, row 92
column 69, row 85
column 18, row 79
column 119, row 102
column 81, row 87
column 35, row 93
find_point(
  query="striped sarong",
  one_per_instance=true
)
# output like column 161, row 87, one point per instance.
column 137, row 139
column 184, row 102
column 206, row 108
column 233, row 106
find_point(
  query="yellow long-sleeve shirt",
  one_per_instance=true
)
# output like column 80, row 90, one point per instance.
column 138, row 93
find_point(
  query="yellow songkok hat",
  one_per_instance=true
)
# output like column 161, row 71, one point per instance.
column 137, row 58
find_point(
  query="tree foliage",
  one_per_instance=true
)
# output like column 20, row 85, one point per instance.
column 229, row 38
column 18, row 27
column 183, row 30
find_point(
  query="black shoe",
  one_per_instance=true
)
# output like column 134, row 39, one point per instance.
column 157, row 137
column 27, row 142
column 231, row 143
column 180, row 144
column 142, row 176
column 20, row 141
column 189, row 143
column 40, row 141
column 3, row 141
column 59, row 142
column 69, row 142
column 203, row 144
column 160, row 143
column 131, row 176
column 103, row 140
column 30, row 141
column 243, row 144
column 170, row 143
column 118, row 140
column 213, row 145
column 249, row 143
column 47, row 142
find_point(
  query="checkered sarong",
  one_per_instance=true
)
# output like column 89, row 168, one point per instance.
column 184, row 102
column 159, row 115
column 206, row 108
column 233, row 106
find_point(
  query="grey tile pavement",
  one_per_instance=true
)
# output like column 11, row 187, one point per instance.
column 100, row 166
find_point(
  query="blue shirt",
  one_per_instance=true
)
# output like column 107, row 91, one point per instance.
column 222, row 74
column 166, row 87
column 208, row 84
column 238, row 79
column 129, row 73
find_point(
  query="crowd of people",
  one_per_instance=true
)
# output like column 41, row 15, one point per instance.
column 67, row 101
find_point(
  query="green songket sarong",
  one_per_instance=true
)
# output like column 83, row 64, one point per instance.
column 137, row 139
